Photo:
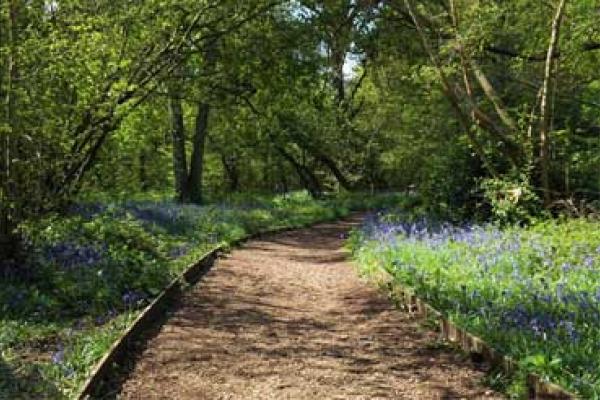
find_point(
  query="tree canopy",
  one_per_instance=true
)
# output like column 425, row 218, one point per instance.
column 467, row 102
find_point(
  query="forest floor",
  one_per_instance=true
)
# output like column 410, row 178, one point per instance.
column 287, row 317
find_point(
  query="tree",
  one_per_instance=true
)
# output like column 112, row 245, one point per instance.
column 74, row 70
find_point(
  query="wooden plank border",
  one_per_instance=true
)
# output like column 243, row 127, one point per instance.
column 191, row 275
column 538, row 388
column 119, row 349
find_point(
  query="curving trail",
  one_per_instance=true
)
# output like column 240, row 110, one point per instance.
column 286, row 317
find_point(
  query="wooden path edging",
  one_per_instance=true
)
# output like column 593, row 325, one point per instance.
column 191, row 275
column 538, row 388
column 120, row 347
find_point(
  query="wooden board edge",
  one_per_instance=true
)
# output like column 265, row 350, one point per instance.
column 538, row 388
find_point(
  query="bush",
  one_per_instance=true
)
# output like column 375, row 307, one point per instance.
column 512, row 201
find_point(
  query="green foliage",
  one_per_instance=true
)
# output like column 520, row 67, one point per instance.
column 511, row 202
column 443, row 102
column 86, row 89
column 531, row 292
column 465, row 106
column 91, row 272
column 86, row 267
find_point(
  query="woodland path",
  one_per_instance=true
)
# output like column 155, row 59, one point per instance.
column 286, row 317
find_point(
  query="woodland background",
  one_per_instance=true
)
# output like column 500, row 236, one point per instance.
column 452, row 99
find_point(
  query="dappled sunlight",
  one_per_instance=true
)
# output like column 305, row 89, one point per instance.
column 285, row 317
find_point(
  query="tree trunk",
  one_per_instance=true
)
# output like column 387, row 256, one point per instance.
column 282, row 178
column 491, row 94
column 533, row 121
column 450, row 93
column 545, row 104
column 478, row 116
column 304, row 143
column 178, row 138
column 338, row 59
column 232, row 172
column 197, row 161
column 306, row 176
column 332, row 166
column 194, row 182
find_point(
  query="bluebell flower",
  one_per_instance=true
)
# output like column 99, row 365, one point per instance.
column 87, row 210
column 132, row 298
column 58, row 356
column 70, row 255
column 566, row 267
column 560, row 291
column 179, row 251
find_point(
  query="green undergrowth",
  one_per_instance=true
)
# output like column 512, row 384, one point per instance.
column 87, row 275
column 531, row 292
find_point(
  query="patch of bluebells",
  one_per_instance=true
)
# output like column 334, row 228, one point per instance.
column 174, row 218
column 59, row 355
column 384, row 227
column 106, row 317
column 169, row 215
column 97, row 259
column 58, row 359
column 132, row 298
column 69, row 255
column 87, row 210
column 527, row 290
column 163, row 214
column 544, row 322
column 378, row 226
column 179, row 251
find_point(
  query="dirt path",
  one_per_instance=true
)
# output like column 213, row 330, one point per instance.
column 286, row 317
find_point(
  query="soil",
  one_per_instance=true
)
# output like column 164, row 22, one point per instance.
column 287, row 317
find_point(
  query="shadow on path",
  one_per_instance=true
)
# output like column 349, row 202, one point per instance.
column 286, row 317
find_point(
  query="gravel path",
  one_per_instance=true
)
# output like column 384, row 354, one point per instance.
column 286, row 317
